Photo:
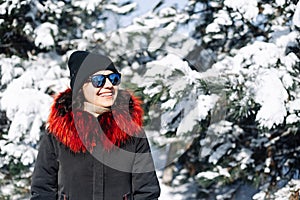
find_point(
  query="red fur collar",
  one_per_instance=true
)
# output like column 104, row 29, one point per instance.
column 80, row 130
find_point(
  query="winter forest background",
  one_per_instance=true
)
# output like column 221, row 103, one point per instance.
column 219, row 80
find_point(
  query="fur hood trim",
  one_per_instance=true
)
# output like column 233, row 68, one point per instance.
column 81, row 131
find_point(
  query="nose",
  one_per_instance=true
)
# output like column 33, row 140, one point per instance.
column 107, row 84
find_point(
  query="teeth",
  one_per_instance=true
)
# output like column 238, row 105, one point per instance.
column 106, row 94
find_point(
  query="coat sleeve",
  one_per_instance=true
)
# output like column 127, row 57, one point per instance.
column 145, row 184
column 44, row 178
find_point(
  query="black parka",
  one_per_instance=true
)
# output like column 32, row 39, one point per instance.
column 65, row 171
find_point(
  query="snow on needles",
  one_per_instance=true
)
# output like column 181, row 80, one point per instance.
column 173, row 74
column 27, row 104
column 266, row 72
column 248, row 8
column 123, row 9
column 296, row 17
column 44, row 35
column 26, row 113
column 271, row 95
column 89, row 6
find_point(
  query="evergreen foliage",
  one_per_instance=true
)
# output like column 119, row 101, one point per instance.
column 219, row 80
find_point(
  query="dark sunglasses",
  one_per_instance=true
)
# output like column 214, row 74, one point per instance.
column 98, row 80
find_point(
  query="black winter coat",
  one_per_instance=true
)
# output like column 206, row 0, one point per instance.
column 81, row 162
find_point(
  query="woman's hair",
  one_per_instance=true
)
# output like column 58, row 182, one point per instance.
column 78, row 100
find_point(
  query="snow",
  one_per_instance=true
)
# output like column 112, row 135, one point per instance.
column 26, row 103
column 289, row 61
column 222, row 18
column 208, row 175
column 215, row 136
column 267, row 9
column 292, row 118
column 262, row 53
column 219, row 152
column 44, row 35
column 219, row 171
column 93, row 35
column 8, row 189
column 271, row 95
column 213, row 28
column 169, row 104
column 175, row 191
column 26, row 113
column 247, row 7
column 264, row 70
column 10, row 70
column 282, row 37
column 89, row 6
column 29, row 156
column 244, row 157
column 168, row 73
column 280, row 2
column 166, row 12
column 282, row 194
column 253, row 66
column 195, row 112
column 294, row 105
column 162, row 71
column 121, row 10
column 144, row 7
column 296, row 17
column 292, row 186
column 7, row 6
column 28, row 29
column 181, row 192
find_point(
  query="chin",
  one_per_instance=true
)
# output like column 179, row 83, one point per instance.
column 106, row 104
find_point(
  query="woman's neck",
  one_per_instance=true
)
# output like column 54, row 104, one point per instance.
column 93, row 109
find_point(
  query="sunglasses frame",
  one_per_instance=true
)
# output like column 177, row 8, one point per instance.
column 107, row 76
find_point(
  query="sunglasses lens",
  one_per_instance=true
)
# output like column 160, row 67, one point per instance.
column 114, row 78
column 98, row 80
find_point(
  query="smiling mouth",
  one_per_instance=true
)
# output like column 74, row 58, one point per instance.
column 108, row 94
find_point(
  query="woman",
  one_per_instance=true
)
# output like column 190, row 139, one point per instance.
column 95, row 147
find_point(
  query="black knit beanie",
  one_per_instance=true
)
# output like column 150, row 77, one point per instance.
column 83, row 64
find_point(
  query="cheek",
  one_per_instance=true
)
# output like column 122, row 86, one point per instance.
column 88, row 92
column 116, row 88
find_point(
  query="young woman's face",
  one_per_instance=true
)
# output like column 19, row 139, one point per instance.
column 103, row 96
